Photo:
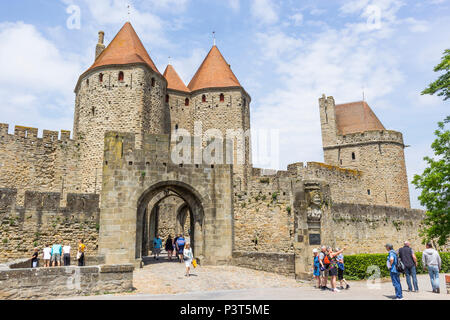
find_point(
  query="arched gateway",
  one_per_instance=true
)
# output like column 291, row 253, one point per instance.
column 192, row 201
column 133, row 177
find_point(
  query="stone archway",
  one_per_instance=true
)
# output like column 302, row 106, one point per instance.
column 192, row 201
column 132, row 177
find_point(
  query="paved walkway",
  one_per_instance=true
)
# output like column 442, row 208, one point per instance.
column 163, row 280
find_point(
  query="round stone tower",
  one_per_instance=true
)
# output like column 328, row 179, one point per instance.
column 124, row 91
column 354, row 138
column 218, row 101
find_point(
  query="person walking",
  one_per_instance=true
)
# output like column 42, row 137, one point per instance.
column 188, row 256
column 169, row 247
column 323, row 267
column 56, row 255
column 66, row 255
column 175, row 248
column 180, row 247
column 409, row 259
column 34, row 258
column 391, row 264
column 341, row 268
column 316, row 267
column 80, row 253
column 47, row 255
column 431, row 260
column 157, row 245
column 333, row 266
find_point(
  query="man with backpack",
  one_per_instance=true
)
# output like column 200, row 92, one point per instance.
column 409, row 260
column 391, row 263
column 180, row 247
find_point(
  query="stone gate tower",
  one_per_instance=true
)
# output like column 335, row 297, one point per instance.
column 354, row 138
column 123, row 91
column 214, row 99
column 220, row 102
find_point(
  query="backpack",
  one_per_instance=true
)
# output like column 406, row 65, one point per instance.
column 326, row 260
column 400, row 265
column 180, row 242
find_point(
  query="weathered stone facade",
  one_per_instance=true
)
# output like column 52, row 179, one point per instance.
column 378, row 154
column 132, row 179
column 54, row 283
column 30, row 163
column 105, row 101
column 41, row 221
column 120, row 158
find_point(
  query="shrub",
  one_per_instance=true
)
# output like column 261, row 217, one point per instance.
column 274, row 196
column 356, row 265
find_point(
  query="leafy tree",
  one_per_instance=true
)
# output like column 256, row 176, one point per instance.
column 442, row 84
column 435, row 185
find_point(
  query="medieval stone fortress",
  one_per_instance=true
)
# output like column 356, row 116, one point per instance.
column 115, row 183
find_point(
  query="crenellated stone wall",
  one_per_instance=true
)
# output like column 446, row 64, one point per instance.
column 41, row 221
column 267, row 217
column 49, row 163
column 367, row 228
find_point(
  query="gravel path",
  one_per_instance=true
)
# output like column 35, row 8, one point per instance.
column 168, row 278
column 164, row 280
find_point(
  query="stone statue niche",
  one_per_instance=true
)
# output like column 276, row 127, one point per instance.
column 315, row 203
column 311, row 205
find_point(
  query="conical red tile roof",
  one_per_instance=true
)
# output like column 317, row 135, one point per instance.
column 356, row 117
column 125, row 48
column 174, row 81
column 214, row 72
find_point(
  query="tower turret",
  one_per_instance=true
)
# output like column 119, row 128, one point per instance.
column 220, row 102
column 123, row 91
column 354, row 138
column 178, row 101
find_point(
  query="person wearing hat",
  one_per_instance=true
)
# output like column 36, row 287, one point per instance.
column 316, row 267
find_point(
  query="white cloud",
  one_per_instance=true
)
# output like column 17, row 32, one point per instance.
column 417, row 25
column 172, row 5
column 188, row 65
column 264, row 11
column 338, row 62
column 37, row 79
column 149, row 26
column 297, row 19
column 235, row 4
column 277, row 44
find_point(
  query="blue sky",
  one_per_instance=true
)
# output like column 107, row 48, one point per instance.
column 285, row 53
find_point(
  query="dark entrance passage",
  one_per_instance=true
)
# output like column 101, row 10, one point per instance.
column 169, row 209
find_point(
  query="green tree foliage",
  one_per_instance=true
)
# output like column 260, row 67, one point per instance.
column 435, row 185
column 357, row 265
column 442, row 84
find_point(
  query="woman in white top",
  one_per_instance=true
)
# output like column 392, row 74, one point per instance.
column 47, row 256
column 188, row 256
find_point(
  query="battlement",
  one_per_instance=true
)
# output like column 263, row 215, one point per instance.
column 120, row 149
column 31, row 134
column 311, row 166
column 49, row 202
column 372, row 136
